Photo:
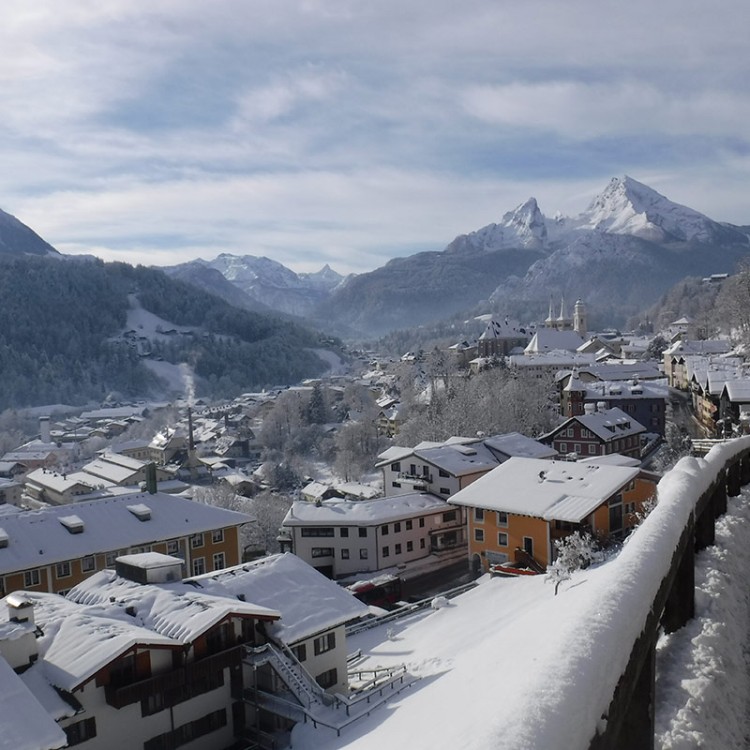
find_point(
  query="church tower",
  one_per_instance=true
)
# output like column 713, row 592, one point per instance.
column 579, row 319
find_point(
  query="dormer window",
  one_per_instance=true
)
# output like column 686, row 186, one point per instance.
column 73, row 524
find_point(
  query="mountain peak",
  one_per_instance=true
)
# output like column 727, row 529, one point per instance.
column 627, row 206
column 527, row 223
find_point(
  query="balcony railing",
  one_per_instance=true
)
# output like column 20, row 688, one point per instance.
column 178, row 684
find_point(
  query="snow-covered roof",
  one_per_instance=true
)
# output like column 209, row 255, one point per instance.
column 459, row 459
column 738, row 390
column 516, row 444
column 108, row 525
column 607, row 425
column 308, row 601
column 557, row 490
column 59, row 482
column 26, row 725
column 364, row 512
column 550, row 339
column 177, row 611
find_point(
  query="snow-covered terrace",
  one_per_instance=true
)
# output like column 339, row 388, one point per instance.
column 510, row 664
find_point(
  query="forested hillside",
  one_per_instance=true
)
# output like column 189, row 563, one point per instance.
column 60, row 322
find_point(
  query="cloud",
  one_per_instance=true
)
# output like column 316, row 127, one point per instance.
column 582, row 110
column 320, row 131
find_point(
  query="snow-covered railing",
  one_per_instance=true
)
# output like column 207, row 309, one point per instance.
column 599, row 692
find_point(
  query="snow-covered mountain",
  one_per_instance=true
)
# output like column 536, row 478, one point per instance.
column 266, row 282
column 630, row 207
column 621, row 253
column 525, row 226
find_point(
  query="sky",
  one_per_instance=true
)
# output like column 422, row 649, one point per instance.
column 348, row 133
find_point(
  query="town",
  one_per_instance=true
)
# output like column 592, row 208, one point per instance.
column 204, row 572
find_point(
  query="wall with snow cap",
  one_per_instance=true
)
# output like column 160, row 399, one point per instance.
column 562, row 703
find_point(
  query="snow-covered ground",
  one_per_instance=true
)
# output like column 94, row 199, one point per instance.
column 509, row 664
column 703, row 670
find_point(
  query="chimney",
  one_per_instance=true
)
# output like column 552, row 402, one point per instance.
column 589, row 408
column 151, row 478
column 44, row 434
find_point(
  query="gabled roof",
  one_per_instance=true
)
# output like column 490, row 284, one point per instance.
column 737, row 391
column 559, row 490
column 176, row 611
column 550, row 339
column 26, row 725
column 38, row 537
column 516, row 444
column 364, row 512
column 459, row 459
column 308, row 601
column 606, row 425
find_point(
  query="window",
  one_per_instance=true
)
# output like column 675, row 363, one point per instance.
column 344, row 532
column 502, row 518
column 569, row 432
column 386, row 552
column 80, row 731
column 324, row 643
column 62, row 570
column 421, row 523
column 397, row 550
column 413, row 469
column 563, row 448
column 577, row 448
column 502, row 539
column 196, row 540
column 317, row 531
column 421, row 543
column 409, row 525
column 443, row 473
column 410, row 546
column 478, row 535
column 219, row 563
column 199, row 566
column 344, row 554
column 31, row 578
column 396, row 527
column 328, row 678
column 449, row 516
column 479, row 515
column 384, row 530
column 395, row 484
column 88, row 564
column 322, row 551
column 217, row 536
column 445, row 491
column 362, row 554
column 109, row 559
column 362, row 532
column 396, row 466
column 300, row 652
column 592, row 449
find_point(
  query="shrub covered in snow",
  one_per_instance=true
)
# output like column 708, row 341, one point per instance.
column 573, row 553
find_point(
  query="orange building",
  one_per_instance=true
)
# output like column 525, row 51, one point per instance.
column 518, row 510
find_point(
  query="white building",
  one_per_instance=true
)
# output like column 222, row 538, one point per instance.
column 341, row 538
